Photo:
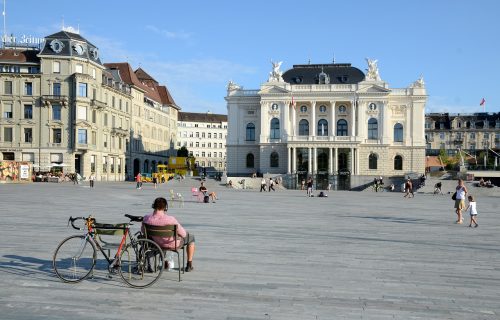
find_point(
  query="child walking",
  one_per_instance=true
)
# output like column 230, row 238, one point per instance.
column 472, row 211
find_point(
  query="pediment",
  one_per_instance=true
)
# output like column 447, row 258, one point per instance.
column 373, row 89
column 273, row 90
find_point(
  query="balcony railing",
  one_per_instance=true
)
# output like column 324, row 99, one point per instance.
column 98, row 104
column 50, row 98
column 119, row 131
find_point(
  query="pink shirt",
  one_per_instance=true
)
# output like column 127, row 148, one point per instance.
column 160, row 218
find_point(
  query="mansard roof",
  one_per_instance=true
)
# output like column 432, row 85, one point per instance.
column 67, row 46
column 339, row 73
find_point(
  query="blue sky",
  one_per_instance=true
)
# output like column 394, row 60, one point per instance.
column 195, row 47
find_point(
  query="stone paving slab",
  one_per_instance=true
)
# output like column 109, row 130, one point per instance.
column 278, row 255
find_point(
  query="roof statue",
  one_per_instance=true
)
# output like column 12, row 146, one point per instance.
column 419, row 83
column 372, row 71
column 276, row 75
column 231, row 86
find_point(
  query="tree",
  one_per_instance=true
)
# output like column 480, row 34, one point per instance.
column 183, row 152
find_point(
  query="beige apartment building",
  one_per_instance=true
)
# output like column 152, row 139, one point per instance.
column 472, row 132
column 204, row 135
column 62, row 108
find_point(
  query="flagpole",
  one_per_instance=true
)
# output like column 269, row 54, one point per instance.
column 4, row 24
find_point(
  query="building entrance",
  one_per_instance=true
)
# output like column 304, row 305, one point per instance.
column 78, row 163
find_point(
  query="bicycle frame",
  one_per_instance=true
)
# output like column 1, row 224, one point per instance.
column 91, row 236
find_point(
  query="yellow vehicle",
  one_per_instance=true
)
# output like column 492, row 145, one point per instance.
column 180, row 165
column 163, row 173
column 146, row 177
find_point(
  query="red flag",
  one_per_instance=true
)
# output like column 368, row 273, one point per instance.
column 482, row 102
column 293, row 102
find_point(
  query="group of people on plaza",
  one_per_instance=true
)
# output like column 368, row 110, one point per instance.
column 485, row 184
column 269, row 184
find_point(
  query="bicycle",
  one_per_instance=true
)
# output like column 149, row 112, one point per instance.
column 140, row 263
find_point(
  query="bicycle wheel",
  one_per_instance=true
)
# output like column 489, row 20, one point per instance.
column 74, row 259
column 141, row 263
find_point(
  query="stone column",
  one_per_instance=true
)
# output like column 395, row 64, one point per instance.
column 315, row 162
column 357, row 161
column 312, row 133
column 353, row 111
column 286, row 121
column 294, row 111
column 289, row 165
column 352, row 160
column 294, row 160
column 265, row 122
column 333, row 124
column 335, row 160
column 309, row 163
column 330, row 161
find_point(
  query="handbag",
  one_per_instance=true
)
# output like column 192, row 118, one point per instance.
column 454, row 196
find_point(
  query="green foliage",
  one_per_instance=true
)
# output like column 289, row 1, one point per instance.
column 183, row 152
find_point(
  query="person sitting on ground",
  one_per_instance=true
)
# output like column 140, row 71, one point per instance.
column 482, row 183
column 159, row 217
column 202, row 188
column 230, row 183
column 437, row 188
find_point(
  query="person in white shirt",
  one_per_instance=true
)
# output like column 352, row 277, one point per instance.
column 461, row 191
column 472, row 211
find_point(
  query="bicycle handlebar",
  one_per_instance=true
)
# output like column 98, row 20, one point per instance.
column 134, row 218
column 72, row 220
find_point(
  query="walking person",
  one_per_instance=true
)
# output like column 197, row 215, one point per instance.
column 138, row 180
column 263, row 185
column 472, row 212
column 461, row 192
column 155, row 180
column 409, row 189
column 91, row 180
column 271, row 184
column 309, row 186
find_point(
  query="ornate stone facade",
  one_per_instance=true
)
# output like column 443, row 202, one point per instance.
column 346, row 123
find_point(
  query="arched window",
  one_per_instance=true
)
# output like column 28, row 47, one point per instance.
column 372, row 161
column 398, row 132
column 342, row 127
column 398, row 162
column 372, row 129
column 250, row 132
column 250, row 160
column 275, row 128
column 275, row 160
column 303, row 127
column 322, row 127
column 146, row 166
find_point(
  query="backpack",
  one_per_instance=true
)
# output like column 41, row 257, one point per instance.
column 206, row 199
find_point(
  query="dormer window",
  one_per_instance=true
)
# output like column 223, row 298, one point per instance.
column 323, row 78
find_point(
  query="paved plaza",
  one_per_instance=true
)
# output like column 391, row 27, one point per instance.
column 280, row 255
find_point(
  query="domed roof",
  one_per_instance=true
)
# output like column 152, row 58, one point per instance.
column 65, row 43
column 338, row 73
